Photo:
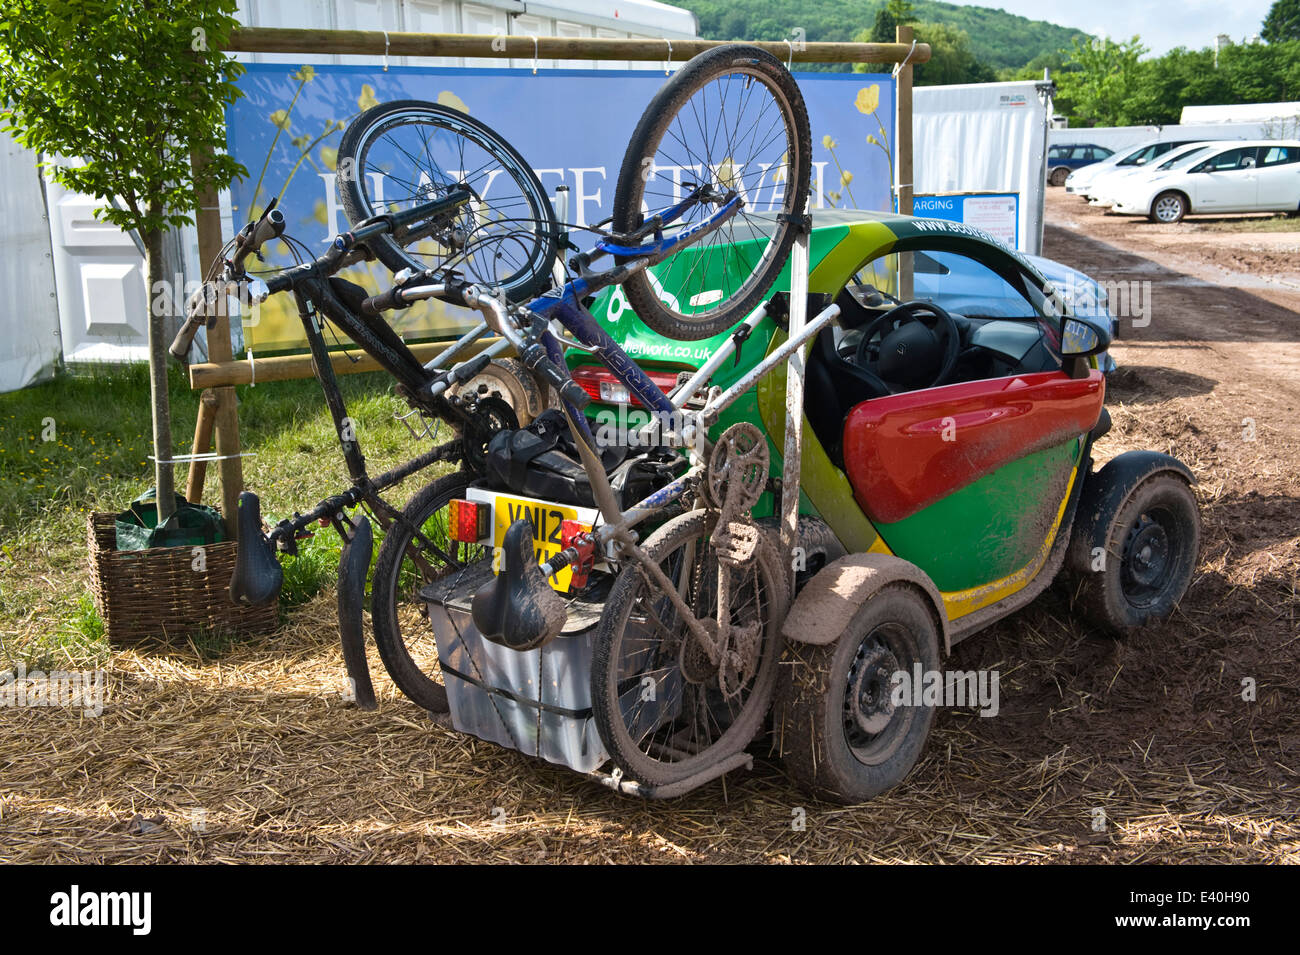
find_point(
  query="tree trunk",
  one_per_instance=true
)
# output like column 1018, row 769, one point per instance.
column 160, row 306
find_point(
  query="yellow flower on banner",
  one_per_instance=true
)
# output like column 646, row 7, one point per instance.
column 367, row 98
column 306, row 73
column 330, row 157
column 726, row 173
column 280, row 119
column 828, row 142
column 846, row 177
column 450, row 99
column 868, row 100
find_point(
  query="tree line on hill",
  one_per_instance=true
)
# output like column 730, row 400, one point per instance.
column 1100, row 81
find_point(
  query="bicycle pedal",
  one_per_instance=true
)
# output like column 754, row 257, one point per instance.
column 737, row 543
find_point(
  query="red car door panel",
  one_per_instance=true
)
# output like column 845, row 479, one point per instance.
column 904, row 452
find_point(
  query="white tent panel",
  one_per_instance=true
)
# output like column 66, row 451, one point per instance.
column 1125, row 137
column 1241, row 113
column 29, row 324
column 983, row 137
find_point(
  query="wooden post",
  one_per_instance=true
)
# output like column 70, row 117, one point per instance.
column 202, row 444
column 292, row 367
column 903, row 92
column 379, row 43
column 226, row 418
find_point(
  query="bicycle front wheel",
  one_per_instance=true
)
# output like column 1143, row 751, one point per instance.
column 732, row 122
column 400, row 154
column 667, row 707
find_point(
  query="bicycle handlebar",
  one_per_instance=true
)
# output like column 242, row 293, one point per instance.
column 256, row 234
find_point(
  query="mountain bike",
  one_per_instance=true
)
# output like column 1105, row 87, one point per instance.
column 709, row 199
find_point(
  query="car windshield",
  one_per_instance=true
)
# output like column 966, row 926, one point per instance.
column 1141, row 154
column 1183, row 158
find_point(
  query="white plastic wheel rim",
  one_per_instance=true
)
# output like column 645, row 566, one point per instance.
column 1167, row 209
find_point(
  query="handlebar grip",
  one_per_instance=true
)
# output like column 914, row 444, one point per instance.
column 572, row 392
column 270, row 226
column 384, row 301
column 405, row 217
column 469, row 369
column 536, row 359
column 184, row 340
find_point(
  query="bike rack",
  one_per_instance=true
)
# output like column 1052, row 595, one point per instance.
column 794, row 385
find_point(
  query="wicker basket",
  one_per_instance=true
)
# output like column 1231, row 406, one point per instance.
column 157, row 593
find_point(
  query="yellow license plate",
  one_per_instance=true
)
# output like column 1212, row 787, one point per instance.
column 546, row 519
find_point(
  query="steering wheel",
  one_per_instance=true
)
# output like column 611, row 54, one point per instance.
column 909, row 346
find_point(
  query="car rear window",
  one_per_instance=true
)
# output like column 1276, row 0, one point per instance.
column 1278, row 155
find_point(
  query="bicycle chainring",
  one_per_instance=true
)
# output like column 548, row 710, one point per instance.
column 737, row 473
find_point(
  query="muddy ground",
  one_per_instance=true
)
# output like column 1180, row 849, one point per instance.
column 1104, row 751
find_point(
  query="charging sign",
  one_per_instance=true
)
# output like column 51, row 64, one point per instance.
column 997, row 213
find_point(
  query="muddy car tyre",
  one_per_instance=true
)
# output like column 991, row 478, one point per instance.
column 1152, row 543
column 824, row 729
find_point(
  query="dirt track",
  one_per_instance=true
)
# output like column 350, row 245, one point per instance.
column 253, row 757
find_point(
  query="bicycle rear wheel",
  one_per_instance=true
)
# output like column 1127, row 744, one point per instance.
column 407, row 152
column 733, row 121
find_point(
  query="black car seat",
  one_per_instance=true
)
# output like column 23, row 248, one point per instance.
column 833, row 387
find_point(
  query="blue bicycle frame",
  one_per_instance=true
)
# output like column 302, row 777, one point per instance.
column 564, row 304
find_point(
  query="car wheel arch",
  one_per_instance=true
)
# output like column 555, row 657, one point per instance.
column 830, row 602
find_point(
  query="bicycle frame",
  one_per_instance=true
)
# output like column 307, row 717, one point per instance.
column 563, row 305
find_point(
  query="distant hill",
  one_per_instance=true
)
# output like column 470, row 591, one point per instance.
column 1000, row 39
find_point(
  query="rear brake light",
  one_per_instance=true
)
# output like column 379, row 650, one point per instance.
column 603, row 385
column 468, row 520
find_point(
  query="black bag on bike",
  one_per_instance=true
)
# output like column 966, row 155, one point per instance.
column 541, row 460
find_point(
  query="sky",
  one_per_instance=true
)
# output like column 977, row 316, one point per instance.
column 1162, row 24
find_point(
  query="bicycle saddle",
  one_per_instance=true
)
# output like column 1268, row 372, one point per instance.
column 257, row 575
column 519, row 609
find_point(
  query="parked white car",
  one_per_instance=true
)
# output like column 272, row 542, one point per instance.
column 1258, row 176
column 1106, row 188
column 1078, row 183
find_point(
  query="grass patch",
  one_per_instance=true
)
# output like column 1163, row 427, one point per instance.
column 1282, row 222
column 81, row 443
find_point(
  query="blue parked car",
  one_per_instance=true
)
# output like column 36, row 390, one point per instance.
column 1063, row 160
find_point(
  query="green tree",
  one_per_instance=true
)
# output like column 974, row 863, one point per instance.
column 951, row 58
column 116, row 95
column 1282, row 22
column 1102, row 78
column 892, row 15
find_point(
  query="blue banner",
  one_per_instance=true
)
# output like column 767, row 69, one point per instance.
column 572, row 126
